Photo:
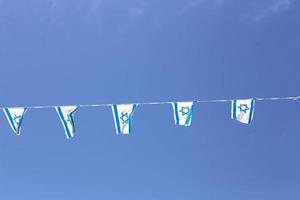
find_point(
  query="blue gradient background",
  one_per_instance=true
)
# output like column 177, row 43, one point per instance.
column 57, row 52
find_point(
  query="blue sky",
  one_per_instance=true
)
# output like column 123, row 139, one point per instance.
column 57, row 52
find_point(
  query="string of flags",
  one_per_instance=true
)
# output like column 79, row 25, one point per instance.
column 242, row 110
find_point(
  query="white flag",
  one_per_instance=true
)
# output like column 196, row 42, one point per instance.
column 15, row 118
column 242, row 110
column 123, row 117
column 183, row 112
column 66, row 114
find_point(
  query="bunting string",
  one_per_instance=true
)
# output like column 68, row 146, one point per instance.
column 242, row 110
column 293, row 98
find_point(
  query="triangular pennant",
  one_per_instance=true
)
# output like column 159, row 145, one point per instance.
column 183, row 112
column 15, row 118
column 123, row 117
column 66, row 114
column 242, row 110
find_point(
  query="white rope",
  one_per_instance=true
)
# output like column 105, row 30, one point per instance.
column 293, row 98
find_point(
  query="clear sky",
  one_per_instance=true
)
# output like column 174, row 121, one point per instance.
column 56, row 52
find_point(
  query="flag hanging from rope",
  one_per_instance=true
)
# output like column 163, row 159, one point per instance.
column 183, row 112
column 15, row 118
column 123, row 117
column 66, row 115
column 242, row 110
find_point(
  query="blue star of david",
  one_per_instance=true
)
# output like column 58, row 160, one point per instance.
column 17, row 119
column 243, row 108
column 124, row 117
column 184, row 110
column 69, row 119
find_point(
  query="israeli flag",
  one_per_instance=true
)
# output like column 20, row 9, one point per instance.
column 15, row 118
column 123, row 117
column 242, row 110
column 66, row 114
column 183, row 112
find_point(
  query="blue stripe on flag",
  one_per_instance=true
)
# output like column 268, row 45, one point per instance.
column 129, row 125
column 72, row 120
column 134, row 107
column 10, row 119
column 130, row 118
column 69, row 135
column 251, row 111
column 234, row 109
column 176, row 113
column 189, row 117
column 117, row 121
column 21, row 120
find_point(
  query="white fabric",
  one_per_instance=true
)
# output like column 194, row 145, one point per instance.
column 183, row 113
column 242, row 110
column 15, row 118
column 66, row 114
column 123, row 117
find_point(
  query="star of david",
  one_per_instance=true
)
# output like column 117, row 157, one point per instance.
column 69, row 119
column 243, row 108
column 124, row 117
column 184, row 110
column 17, row 119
